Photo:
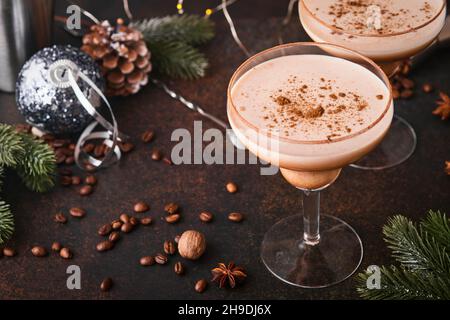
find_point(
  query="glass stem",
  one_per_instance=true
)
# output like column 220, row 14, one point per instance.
column 311, row 217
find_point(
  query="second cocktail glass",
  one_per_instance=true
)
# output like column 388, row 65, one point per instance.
column 310, row 109
column 387, row 32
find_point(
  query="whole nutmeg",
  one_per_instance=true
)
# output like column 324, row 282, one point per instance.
column 192, row 244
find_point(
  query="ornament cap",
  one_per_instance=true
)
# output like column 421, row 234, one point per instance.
column 59, row 75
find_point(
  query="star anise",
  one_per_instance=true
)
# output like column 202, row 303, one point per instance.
column 447, row 167
column 443, row 108
column 228, row 274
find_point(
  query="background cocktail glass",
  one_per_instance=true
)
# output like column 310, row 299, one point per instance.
column 388, row 51
column 294, row 249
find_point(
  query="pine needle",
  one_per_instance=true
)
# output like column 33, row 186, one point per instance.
column 6, row 222
column 10, row 146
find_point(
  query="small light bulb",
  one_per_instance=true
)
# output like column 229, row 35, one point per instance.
column 208, row 12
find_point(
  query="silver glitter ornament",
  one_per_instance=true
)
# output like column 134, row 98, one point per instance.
column 44, row 97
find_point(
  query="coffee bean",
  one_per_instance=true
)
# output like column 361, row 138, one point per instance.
column 231, row 187
column 177, row 238
column 56, row 246
column 76, row 180
column 89, row 167
column 124, row 218
column 99, row 150
column 173, row 218
column 156, row 155
column 170, row 247
column 134, row 221
column 39, row 251
column 71, row 146
column 427, row 88
column 90, row 180
column 235, row 217
column 9, row 252
column 126, row 147
column 178, row 268
column 116, row 224
column 85, row 190
column 406, row 94
column 104, row 246
column 65, row 181
column 395, row 93
column 60, row 158
column 407, row 83
column 104, row 230
column 88, row 147
column 171, row 208
column 126, row 227
column 161, row 258
column 200, row 285
column 106, row 284
column 205, row 216
column 59, row 143
column 167, row 161
column 114, row 236
column 147, row 136
column 147, row 261
column 146, row 221
column 60, row 218
column 65, row 253
column 77, row 212
column 141, row 207
column 65, row 171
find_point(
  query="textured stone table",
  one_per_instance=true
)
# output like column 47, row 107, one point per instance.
column 365, row 199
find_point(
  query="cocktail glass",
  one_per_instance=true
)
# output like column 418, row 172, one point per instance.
column 310, row 250
column 388, row 50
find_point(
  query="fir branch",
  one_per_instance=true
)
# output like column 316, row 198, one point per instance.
column 402, row 284
column 6, row 222
column 10, row 146
column 2, row 173
column 178, row 59
column 437, row 225
column 190, row 29
column 37, row 166
column 414, row 248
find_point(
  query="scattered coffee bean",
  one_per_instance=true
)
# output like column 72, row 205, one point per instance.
column 407, row 83
column 69, row 160
column 147, row 136
column 161, row 258
column 231, row 187
column 106, row 284
column 146, row 221
column 76, row 180
column 235, row 217
column 39, row 251
column 60, row 218
column 126, row 147
column 114, row 236
column 56, row 246
column 147, row 261
column 406, row 94
column 173, row 218
column 65, row 181
column 90, row 180
column 177, row 238
column 89, row 167
column 71, row 146
column 126, row 227
column 427, row 88
column 88, row 147
column 116, row 224
column 85, row 190
column 9, row 252
column 104, row 230
column 65, row 253
column 140, row 207
column 104, row 246
column 171, row 208
column 77, row 212
column 99, row 150
column 205, row 216
column 60, row 158
column 134, row 221
column 167, row 161
column 200, row 285
column 395, row 93
column 156, row 155
column 178, row 268
column 65, row 171
column 170, row 247
column 124, row 218
column 59, row 143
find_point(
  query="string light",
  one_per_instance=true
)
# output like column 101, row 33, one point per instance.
column 180, row 7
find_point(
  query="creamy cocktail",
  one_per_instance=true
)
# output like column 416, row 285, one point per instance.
column 310, row 109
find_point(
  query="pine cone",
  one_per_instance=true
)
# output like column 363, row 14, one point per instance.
column 122, row 55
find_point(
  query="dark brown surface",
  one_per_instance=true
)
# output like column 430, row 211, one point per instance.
column 365, row 199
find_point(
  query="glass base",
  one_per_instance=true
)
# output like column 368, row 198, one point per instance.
column 397, row 146
column 335, row 258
